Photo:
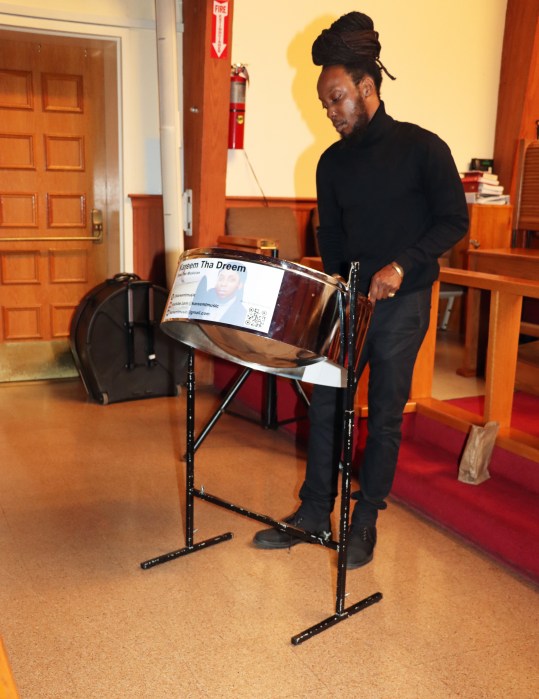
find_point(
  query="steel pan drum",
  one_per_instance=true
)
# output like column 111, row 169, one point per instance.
column 264, row 313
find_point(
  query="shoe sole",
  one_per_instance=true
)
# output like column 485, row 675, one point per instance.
column 353, row 566
column 293, row 541
column 264, row 545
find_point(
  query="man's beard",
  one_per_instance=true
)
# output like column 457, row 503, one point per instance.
column 362, row 122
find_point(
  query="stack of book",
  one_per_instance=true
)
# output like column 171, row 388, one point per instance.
column 483, row 188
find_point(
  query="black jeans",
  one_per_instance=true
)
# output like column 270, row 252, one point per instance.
column 396, row 332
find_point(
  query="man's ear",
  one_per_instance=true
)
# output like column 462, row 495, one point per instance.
column 367, row 87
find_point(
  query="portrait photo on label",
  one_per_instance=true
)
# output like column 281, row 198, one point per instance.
column 221, row 290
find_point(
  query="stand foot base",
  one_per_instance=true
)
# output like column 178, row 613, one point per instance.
column 187, row 549
column 335, row 619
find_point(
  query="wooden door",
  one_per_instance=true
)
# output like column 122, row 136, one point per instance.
column 52, row 177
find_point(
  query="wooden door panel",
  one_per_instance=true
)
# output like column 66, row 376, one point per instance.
column 62, row 93
column 16, row 86
column 18, row 210
column 64, row 153
column 17, row 151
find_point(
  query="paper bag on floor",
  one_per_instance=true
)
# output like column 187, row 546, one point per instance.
column 473, row 465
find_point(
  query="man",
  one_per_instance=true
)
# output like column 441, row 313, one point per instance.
column 389, row 196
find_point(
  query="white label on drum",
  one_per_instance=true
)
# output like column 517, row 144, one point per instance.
column 221, row 290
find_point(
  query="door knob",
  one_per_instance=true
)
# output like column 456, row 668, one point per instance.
column 97, row 223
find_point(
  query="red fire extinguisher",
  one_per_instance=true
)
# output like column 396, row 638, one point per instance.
column 236, row 120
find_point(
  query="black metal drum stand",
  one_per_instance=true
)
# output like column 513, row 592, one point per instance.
column 340, row 545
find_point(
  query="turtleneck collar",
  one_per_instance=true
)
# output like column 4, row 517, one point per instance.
column 376, row 128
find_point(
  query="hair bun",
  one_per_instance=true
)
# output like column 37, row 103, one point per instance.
column 350, row 40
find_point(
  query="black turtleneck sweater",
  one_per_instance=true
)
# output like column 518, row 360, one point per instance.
column 393, row 195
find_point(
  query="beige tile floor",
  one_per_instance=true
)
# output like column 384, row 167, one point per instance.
column 88, row 492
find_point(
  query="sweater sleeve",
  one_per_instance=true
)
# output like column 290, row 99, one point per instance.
column 446, row 202
column 330, row 234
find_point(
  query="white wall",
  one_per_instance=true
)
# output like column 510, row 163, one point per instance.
column 445, row 54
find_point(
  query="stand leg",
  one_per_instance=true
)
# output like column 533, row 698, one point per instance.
column 189, row 480
column 345, row 511
column 221, row 409
column 269, row 420
column 190, row 460
column 298, row 388
column 348, row 448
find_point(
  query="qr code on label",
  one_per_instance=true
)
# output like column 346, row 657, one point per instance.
column 256, row 317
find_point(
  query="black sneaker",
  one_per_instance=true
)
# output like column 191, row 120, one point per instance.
column 360, row 546
column 274, row 539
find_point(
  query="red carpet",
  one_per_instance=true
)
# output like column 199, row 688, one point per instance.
column 500, row 516
column 525, row 415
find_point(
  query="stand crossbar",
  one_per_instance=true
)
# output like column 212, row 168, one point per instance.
column 265, row 519
column 341, row 546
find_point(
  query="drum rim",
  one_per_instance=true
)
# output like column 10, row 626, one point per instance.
column 265, row 260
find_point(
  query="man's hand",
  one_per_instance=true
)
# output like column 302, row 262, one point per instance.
column 385, row 283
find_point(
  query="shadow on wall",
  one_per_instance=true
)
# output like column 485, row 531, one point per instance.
column 306, row 98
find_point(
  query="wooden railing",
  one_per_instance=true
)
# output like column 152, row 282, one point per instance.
column 506, row 295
